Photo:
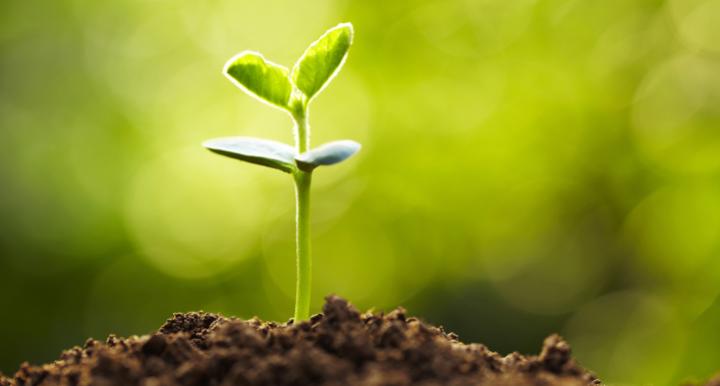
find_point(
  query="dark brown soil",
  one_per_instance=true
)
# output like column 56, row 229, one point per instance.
column 340, row 347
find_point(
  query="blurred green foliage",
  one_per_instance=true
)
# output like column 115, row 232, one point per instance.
column 529, row 166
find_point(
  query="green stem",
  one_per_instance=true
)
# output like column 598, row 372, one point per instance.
column 302, row 220
column 304, row 262
column 302, row 131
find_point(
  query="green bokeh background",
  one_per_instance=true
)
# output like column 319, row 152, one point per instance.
column 529, row 166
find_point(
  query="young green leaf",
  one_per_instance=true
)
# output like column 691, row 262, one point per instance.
column 264, row 152
column 260, row 78
column 327, row 154
column 322, row 60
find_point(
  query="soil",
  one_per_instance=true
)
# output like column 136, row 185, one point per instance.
column 339, row 347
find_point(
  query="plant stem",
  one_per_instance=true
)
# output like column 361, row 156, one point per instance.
column 302, row 220
column 302, row 233
column 302, row 130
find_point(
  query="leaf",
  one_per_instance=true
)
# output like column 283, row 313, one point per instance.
column 322, row 60
column 260, row 78
column 327, row 154
column 264, row 152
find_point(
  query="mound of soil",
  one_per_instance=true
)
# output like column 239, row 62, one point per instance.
column 339, row 347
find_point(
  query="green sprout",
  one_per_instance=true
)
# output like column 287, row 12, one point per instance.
column 292, row 92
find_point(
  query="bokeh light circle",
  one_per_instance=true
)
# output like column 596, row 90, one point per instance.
column 477, row 28
column 697, row 22
column 548, row 275
column 627, row 337
column 193, row 214
column 675, row 115
column 533, row 254
column 676, row 237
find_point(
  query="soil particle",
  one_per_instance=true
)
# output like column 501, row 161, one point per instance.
column 339, row 347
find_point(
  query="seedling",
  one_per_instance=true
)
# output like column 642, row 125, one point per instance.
column 292, row 91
